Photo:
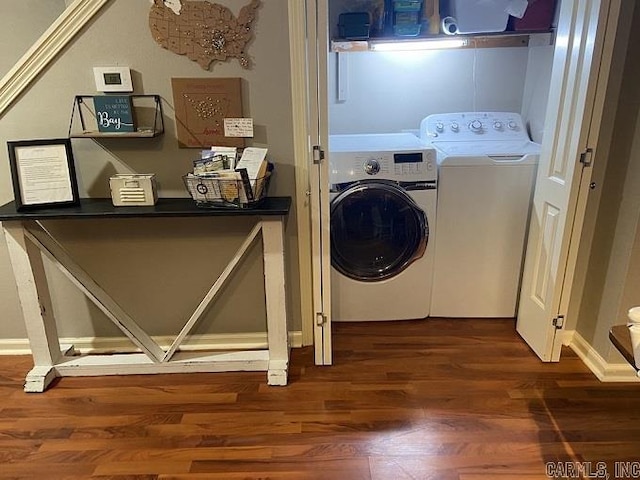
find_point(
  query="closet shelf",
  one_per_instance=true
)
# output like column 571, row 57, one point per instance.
column 495, row 40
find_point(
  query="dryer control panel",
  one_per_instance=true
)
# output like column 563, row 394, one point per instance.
column 473, row 126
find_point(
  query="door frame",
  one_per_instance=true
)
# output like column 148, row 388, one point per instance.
column 300, row 111
column 305, row 188
column 608, row 84
column 310, row 130
column 609, row 101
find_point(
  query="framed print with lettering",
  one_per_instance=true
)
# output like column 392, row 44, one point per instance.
column 43, row 173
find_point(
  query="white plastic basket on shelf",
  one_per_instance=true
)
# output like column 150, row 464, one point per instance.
column 215, row 192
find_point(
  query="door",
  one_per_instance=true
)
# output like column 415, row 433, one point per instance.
column 580, row 69
column 377, row 231
column 317, row 44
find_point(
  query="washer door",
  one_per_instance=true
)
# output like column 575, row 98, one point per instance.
column 377, row 230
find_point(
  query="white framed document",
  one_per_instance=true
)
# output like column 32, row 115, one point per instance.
column 43, row 173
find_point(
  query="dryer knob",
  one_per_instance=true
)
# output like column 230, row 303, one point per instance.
column 440, row 127
column 512, row 125
column 475, row 126
column 372, row 166
column 497, row 125
column 455, row 127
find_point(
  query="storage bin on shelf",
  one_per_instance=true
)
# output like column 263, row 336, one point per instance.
column 406, row 17
column 537, row 18
column 220, row 192
column 354, row 25
column 407, row 5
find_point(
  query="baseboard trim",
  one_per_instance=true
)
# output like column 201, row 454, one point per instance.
column 605, row 371
column 105, row 345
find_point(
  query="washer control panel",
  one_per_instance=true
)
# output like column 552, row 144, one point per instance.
column 471, row 126
column 400, row 157
column 409, row 166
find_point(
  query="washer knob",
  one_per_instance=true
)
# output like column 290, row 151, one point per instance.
column 512, row 125
column 372, row 166
column 440, row 127
column 497, row 125
column 455, row 127
column 475, row 126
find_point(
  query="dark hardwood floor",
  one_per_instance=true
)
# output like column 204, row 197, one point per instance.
column 435, row 399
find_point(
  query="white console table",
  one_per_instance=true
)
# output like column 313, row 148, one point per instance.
column 28, row 240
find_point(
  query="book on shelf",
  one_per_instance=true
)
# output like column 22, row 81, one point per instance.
column 114, row 113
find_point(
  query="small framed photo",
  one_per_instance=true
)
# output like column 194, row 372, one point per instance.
column 43, row 173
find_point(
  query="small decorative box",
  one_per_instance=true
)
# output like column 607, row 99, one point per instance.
column 354, row 25
column 133, row 189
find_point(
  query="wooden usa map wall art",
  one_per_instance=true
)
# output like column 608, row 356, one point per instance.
column 205, row 32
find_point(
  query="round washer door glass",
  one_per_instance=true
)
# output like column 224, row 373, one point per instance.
column 377, row 230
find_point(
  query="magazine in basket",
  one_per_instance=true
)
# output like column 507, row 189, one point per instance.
column 219, row 180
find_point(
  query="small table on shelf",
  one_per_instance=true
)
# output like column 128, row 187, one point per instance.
column 621, row 339
column 27, row 241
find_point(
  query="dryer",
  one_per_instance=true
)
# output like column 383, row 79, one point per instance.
column 486, row 174
column 383, row 216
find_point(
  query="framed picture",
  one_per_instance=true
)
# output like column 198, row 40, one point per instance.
column 43, row 173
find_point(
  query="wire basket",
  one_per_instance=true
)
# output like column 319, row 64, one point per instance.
column 213, row 192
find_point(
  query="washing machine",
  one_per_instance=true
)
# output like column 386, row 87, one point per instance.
column 486, row 174
column 383, row 217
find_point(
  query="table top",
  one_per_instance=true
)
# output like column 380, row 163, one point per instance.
column 165, row 207
column 621, row 338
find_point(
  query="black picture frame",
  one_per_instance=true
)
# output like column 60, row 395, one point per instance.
column 43, row 173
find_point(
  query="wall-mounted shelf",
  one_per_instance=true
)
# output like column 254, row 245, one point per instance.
column 147, row 110
column 436, row 42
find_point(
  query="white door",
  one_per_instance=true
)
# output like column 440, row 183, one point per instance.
column 580, row 69
column 318, row 41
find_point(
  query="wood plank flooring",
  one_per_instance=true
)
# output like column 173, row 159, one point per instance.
column 434, row 399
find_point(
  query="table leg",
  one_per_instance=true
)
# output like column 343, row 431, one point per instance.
column 35, row 301
column 276, row 301
column 39, row 378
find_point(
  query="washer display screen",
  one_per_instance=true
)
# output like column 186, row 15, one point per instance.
column 407, row 157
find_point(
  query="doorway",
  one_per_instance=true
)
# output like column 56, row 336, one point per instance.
column 579, row 61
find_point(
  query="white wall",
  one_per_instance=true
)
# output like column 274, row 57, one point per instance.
column 158, row 270
column 392, row 91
